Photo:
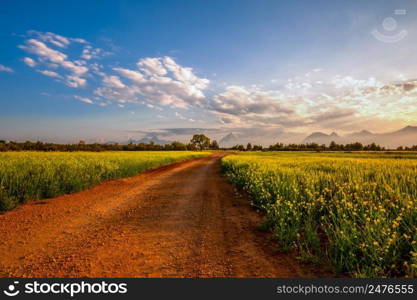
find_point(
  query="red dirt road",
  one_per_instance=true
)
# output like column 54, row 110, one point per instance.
column 181, row 220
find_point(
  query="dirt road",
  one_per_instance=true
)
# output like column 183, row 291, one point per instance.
column 181, row 220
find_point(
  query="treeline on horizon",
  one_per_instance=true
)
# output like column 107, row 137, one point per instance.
column 192, row 146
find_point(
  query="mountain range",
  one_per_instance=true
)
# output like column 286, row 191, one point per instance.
column 151, row 138
column 406, row 136
column 146, row 139
column 230, row 140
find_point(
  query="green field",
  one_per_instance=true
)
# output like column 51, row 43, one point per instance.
column 356, row 212
column 36, row 175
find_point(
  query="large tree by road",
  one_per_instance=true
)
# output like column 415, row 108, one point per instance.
column 200, row 141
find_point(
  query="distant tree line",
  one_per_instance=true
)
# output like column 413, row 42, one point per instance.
column 198, row 142
column 96, row 147
column 333, row 146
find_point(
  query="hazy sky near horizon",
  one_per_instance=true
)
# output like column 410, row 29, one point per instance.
column 113, row 70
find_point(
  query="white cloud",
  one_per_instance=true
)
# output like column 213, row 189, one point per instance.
column 5, row 69
column 84, row 99
column 113, row 81
column 50, row 73
column 90, row 53
column 135, row 76
column 41, row 49
column 159, row 81
column 75, row 82
column 29, row 61
column 74, row 72
column 338, row 102
column 350, row 82
column 184, row 74
column 247, row 107
column 181, row 117
column 57, row 58
column 56, row 39
column 152, row 66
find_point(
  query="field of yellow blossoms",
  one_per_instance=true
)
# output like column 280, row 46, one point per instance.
column 354, row 211
column 35, row 175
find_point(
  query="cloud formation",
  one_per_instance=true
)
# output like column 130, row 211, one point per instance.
column 113, row 81
column 5, row 69
column 29, row 62
column 338, row 102
column 56, row 39
column 56, row 58
column 41, row 45
column 50, row 73
column 181, row 117
column 241, row 106
column 84, row 99
column 157, row 81
column 89, row 52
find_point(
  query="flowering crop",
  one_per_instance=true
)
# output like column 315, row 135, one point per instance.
column 35, row 175
column 354, row 211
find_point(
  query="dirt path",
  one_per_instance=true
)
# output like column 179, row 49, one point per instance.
column 181, row 220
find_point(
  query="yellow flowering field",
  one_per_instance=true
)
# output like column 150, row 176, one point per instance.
column 354, row 211
column 36, row 175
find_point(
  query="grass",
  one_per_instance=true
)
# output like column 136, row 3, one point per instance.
column 355, row 211
column 37, row 175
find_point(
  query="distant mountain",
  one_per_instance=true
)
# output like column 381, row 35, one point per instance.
column 152, row 138
column 229, row 140
column 317, row 135
column 406, row 136
column 322, row 138
column 146, row 139
column 362, row 134
column 406, row 130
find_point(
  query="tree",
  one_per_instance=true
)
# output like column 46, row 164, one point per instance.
column 214, row 145
column 191, row 147
column 175, row 146
column 257, row 147
column 200, row 141
column 333, row 146
column 249, row 147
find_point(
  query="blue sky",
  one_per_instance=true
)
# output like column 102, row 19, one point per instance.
column 113, row 70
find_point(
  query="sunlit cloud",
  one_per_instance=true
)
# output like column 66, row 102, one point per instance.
column 50, row 73
column 159, row 81
column 29, row 62
column 181, row 117
column 49, row 55
column 84, row 99
column 5, row 69
column 56, row 39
